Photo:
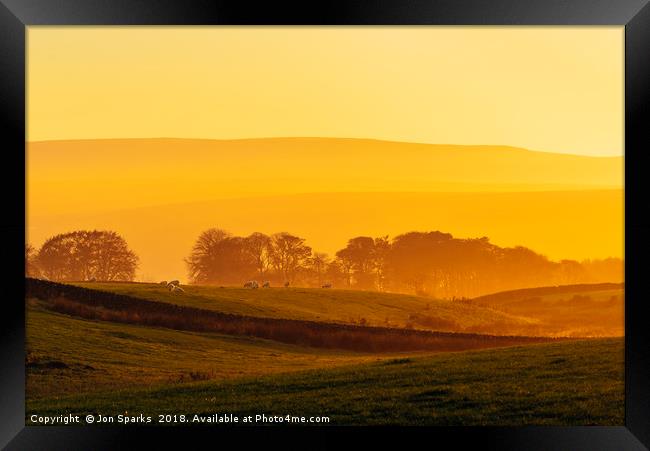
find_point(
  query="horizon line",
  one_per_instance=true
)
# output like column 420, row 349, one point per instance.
column 267, row 138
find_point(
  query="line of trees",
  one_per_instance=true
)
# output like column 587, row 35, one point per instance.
column 425, row 263
column 82, row 255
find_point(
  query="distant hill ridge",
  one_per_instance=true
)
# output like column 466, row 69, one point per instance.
column 316, row 140
column 424, row 162
column 541, row 291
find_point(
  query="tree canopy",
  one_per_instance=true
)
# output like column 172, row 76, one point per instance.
column 84, row 255
column 428, row 263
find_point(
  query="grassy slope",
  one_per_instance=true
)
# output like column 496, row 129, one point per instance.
column 578, row 312
column 122, row 355
column 569, row 312
column 514, row 295
column 572, row 383
column 331, row 305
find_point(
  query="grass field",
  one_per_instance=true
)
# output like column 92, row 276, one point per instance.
column 573, row 311
column 69, row 355
column 331, row 305
column 127, row 362
column 579, row 310
column 570, row 383
column 108, row 306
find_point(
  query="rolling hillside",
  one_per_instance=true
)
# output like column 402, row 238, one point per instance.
column 108, row 306
column 569, row 310
column 583, row 311
column 329, row 305
column 118, row 359
column 427, row 167
column 580, row 383
column 68, row 355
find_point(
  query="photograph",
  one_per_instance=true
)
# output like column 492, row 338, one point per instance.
column 325, row 226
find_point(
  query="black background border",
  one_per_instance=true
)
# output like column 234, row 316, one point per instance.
column 15, row 15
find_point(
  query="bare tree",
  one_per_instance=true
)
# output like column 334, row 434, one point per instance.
column 288, row 254
column 319, row 263
column 358, row 257
column 204, row 263
column 380, row 260
column 257, row 246
column 112, row 257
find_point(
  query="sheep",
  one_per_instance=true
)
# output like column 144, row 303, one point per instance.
column 177, row 288
column 163, row 282
column 251, row 284
column 173, row 283
column 327, row 285
column 266, row 284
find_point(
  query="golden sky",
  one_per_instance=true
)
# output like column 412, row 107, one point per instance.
column 557, row 89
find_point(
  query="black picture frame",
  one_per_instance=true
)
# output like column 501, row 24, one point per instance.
column 16, row 15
